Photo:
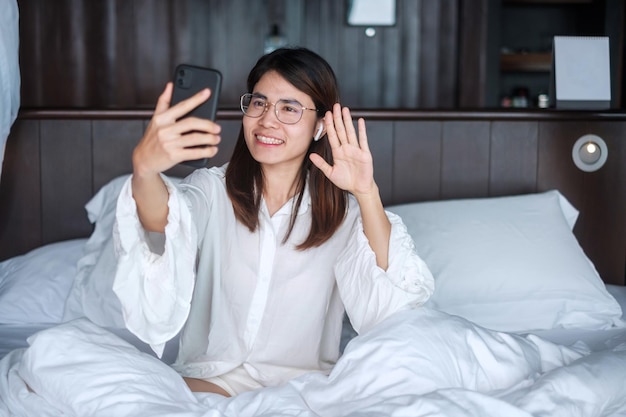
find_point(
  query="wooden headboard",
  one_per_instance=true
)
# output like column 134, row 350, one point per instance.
column 56, row 160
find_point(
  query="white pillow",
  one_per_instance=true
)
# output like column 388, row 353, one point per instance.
column 92, row 293
column 34, row 286
column 510, row 263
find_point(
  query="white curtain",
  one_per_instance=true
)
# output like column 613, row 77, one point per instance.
column 9, row 70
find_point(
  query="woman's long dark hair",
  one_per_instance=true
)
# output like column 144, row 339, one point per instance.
column 311, row 74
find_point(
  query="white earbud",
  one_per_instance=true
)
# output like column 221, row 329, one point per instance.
column 318, row 134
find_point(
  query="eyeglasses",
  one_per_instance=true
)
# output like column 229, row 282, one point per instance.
column 287, row 111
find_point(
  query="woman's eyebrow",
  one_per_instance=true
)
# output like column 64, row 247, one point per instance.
column 291, row 100
column 288, row 100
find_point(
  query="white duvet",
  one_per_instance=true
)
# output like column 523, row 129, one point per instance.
column 416, row 363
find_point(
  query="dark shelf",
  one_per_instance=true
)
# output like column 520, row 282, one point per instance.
column 526, row 62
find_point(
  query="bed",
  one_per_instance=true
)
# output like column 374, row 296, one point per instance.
column 521, row 322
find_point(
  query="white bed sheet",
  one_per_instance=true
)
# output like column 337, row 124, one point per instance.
column 14, row 336
column 595, row 339
column 421, row 363
column 416, row 363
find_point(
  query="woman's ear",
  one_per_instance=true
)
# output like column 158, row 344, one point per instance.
column 319, row 132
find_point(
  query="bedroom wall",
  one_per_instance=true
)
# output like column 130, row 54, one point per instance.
column 116, row 54
column 442, row 54
column 120, row 53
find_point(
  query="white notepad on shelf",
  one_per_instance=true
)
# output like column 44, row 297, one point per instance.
column 581, row 73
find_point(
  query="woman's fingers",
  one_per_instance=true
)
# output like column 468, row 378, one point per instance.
column 331, row 133
column 164, row 114
column 340, row 127
column 163, row 103
column 338, row 121
column 195, row 124
column 191, row 153
column 169, row 147
column 363, row 144
column 189, row 134
column 349, row 126
column 197, row 138
column 185, row 106
column 171, row 138
column 320, row 163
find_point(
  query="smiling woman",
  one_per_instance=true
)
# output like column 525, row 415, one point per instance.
column 291, row 223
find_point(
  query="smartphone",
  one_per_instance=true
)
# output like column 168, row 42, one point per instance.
column 190, row 79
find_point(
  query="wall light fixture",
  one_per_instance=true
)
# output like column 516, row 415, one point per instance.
column 589, row 153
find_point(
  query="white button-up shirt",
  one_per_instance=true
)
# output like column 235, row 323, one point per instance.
column 248, row 299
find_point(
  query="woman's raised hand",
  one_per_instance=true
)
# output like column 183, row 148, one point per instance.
column 169, row 140
column 353, row 167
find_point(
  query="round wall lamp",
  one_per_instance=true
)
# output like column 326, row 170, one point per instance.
column 589, row 153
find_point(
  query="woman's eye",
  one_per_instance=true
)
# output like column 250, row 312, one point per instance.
column 257, row 103
column 289, row 108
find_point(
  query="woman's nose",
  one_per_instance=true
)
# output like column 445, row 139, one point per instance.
column 269, row 115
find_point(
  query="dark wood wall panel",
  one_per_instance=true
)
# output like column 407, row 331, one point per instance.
column 438, row 54
column 599, row 196
column 473, row 29
column 606, row 200
column 417, row 161
column 380, row 141
column 465, row 159
column 120, row 53
column 410, row 71
column 111, row 73
column 113, row 144
column 54, row 165
column 20, row 190
column 66, row 177
column 604, row 203
column 513, row 159
column 154, row 42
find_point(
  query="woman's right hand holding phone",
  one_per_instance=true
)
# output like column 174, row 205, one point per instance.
column 171, row 139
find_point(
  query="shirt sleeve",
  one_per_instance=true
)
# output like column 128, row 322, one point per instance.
column 155, row 285
column 371, row 294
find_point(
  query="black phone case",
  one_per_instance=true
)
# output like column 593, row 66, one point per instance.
column 188, row 80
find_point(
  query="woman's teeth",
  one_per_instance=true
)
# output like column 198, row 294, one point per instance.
column 269, row 141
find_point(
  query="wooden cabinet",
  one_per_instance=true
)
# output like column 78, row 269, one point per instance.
column 520, row 42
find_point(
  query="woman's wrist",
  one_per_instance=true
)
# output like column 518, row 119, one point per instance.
column 369, row 197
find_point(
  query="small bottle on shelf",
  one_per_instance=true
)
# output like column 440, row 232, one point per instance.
column 520, row 97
